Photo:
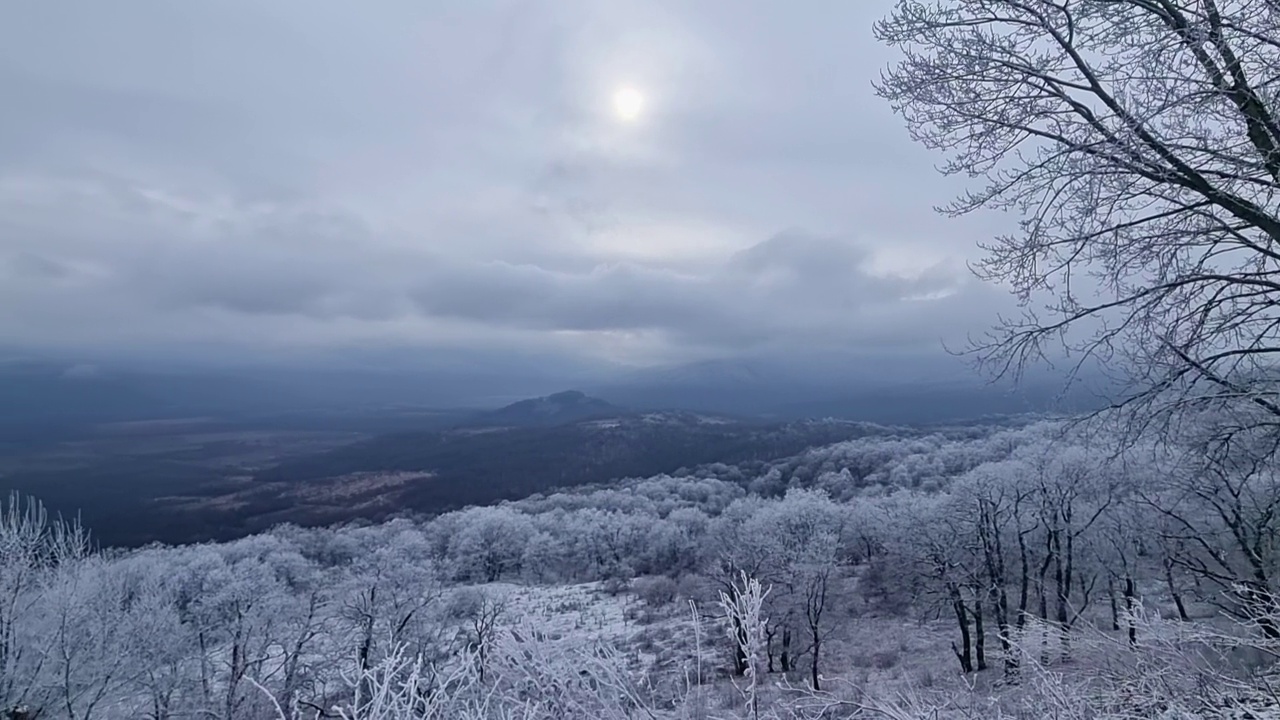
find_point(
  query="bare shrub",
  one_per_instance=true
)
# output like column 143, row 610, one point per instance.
column 656, row 591
column 615, row 586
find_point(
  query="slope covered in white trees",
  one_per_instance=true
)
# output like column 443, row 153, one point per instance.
column 1016, row 568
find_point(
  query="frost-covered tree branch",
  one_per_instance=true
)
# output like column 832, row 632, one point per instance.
column 1137, row 142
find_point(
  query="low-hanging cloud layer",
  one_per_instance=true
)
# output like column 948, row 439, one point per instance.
column 316, row 174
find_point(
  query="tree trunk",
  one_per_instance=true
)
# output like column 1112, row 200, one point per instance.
column 1024, row 582
column 1002, row 626
column 787, row 663
column 997, row 588
column 964, row 653
column 366, row 643
column 1128, row 609
column 1115, row 608
column 366, row 646
column 816, row 602
column 1042, row 586
column 1042, row 589
column 979, row 632
column 1174, row 592
column 813, row 671
column 1024, row 594
column 1062, row 590
column 206, row 681
column 769, row 634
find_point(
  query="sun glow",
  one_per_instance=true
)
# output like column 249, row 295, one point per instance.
column 628, row 103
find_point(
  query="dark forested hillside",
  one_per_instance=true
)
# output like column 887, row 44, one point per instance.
column 191, row 481
column 482, row 465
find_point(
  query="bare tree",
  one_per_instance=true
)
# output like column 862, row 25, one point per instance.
column 91, row 642
column 1138, row 141
column 997, row 497
column 1220, row 514
column 482, row 614
column 31, row 546
column 930, row 536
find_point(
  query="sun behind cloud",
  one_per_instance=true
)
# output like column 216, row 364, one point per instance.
column 628, row 103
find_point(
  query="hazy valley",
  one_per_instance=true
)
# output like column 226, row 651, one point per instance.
column 182, row 457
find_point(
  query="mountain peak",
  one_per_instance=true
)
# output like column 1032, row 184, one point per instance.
column 559, row 408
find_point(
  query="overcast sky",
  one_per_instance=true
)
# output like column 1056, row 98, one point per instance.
column 262, row 174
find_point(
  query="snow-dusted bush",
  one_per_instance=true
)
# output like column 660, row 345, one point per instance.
column 656, row 591
column 743, row 608
column 531, row 676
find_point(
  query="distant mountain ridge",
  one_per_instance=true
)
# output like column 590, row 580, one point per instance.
column 875, row 389
column 556, row 409
column 43, row 400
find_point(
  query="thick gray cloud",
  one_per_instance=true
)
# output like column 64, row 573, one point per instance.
column 791, row 287
column 319, row 173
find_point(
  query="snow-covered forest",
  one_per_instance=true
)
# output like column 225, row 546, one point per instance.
column 990, row 572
